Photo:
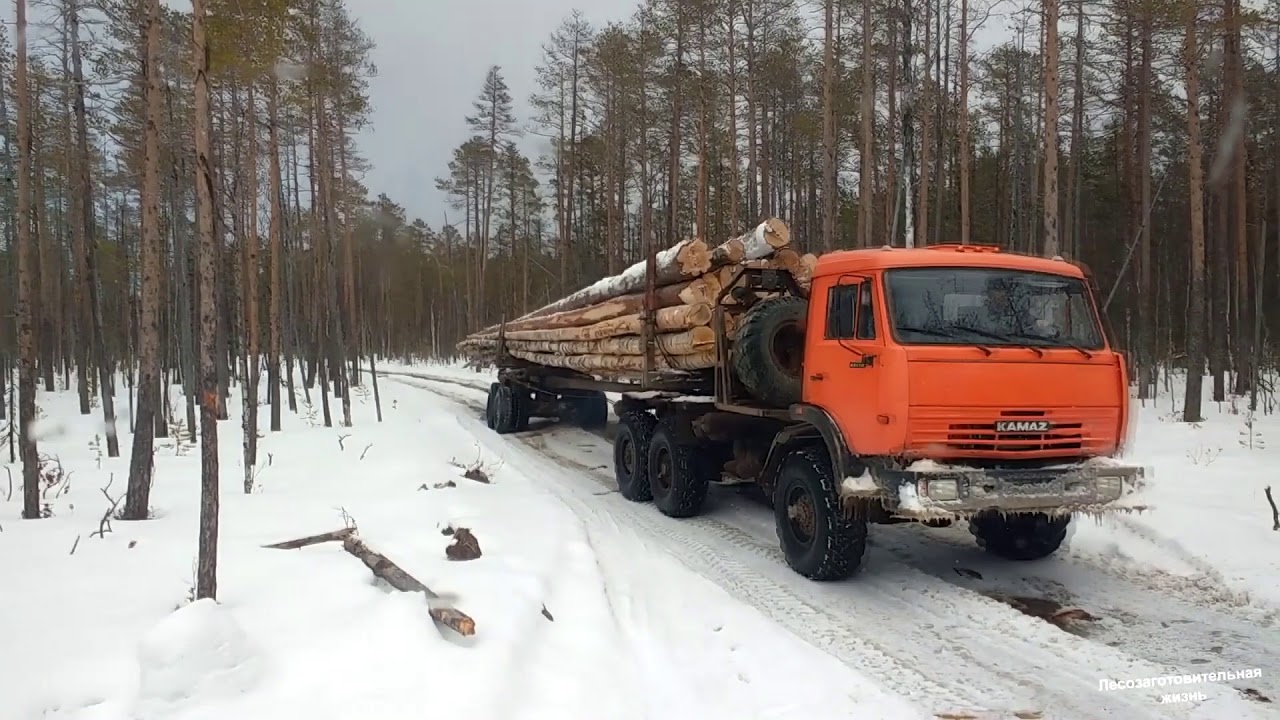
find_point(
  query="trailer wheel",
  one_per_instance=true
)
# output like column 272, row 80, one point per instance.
column 589, row 411
column 489, row 405
column 1024, row 536
column 820, row 540
column 631, row 455
column 521, row 401
column 675, row 478
column 768, row 352
column 506, row 410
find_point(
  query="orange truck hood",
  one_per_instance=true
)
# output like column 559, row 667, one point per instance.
column 955, row 402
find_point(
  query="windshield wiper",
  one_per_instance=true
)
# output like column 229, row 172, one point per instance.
column 942, row 334
column 1055, row 341
column 1001, row 337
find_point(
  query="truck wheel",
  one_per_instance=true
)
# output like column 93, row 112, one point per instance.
column 819, row 539
column 489, row 405
column 679, row 488
column 1024, row 536
column 520, row 402
column 504, row 410
column 768, row 352
column 590, row 411
column 631, row 455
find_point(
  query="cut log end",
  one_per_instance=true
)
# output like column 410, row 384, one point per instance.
column 384, row 569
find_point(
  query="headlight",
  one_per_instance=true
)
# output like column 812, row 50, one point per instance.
column 1110, row 484
column 941, row 490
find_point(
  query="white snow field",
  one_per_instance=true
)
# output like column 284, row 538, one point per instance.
column 649, row 617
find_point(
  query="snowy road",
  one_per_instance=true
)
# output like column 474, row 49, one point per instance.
column 916, row 624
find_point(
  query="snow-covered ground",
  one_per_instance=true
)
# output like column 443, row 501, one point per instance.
column 1189, row 586
column 645, row 616
column 1210, row 517
column 578, row 613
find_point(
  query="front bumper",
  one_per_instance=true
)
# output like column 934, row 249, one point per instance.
column 951, row 491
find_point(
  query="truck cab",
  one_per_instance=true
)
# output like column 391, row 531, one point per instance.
column 947, row 383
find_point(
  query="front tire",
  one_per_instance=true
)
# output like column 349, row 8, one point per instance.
column 820, row 540
column 631, row 455
column 679, row 489
column 1024, row 536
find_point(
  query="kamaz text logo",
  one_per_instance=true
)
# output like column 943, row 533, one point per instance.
column 1023, row 426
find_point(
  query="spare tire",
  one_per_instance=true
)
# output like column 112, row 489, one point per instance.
column 768, row 352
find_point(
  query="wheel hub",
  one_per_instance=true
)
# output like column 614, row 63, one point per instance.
column 628, row 455
column 803, row 516
column 664, row 470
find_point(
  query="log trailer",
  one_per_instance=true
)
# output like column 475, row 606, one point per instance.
column 932, row 385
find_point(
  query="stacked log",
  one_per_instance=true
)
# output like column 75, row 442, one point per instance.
column 597, row 330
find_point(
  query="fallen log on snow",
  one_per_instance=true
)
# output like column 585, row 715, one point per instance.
column 383, row 568
column 334, row 536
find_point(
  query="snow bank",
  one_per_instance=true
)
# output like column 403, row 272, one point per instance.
column 1205, row 484
column 575, row 619
column 197, row 655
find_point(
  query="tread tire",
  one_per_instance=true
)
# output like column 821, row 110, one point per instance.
column 684, row 492
column 767, row 352
column 631, row 455
column 839, row 540
column 1020, row 537
column 489, row 405
column 504, row 410
column 520, row 402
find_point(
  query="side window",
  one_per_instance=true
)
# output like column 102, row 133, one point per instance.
column 866, row 314
column 841, row 310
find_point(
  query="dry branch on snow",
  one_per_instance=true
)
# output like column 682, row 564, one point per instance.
column 383, row 568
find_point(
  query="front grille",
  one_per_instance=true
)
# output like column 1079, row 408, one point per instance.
column 973, row 432
column 1019, row 438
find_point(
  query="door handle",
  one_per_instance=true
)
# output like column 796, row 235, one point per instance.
column 817, row 377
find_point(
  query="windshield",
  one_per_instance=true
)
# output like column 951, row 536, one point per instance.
column 990, row 307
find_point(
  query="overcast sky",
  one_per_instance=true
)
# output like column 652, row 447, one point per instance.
column 432, row 56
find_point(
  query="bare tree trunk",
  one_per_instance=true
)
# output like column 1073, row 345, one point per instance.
column 866, row 163
column 963, row 129
column 829, row 128
column 1195, row 187
column 276, row 257
column 207, row 559
column 27, row 304
column 142, row 461
column 1051, row 247
column 250, row 384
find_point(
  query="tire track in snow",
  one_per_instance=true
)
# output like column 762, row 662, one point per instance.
column 934, row 642
column 1205, row 589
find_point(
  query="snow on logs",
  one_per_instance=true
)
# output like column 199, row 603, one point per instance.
column 597, row 329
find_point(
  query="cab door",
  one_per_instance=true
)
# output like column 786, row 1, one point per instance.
column 842, row 360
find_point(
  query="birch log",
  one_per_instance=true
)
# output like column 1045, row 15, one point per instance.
column 688, row 342
column 699, row 291
column 672, row 319
column 619, row 363
column 685, row 261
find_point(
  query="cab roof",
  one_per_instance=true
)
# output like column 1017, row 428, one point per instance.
column 885, row 258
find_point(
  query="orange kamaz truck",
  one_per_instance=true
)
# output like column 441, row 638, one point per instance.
column 933, row 385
